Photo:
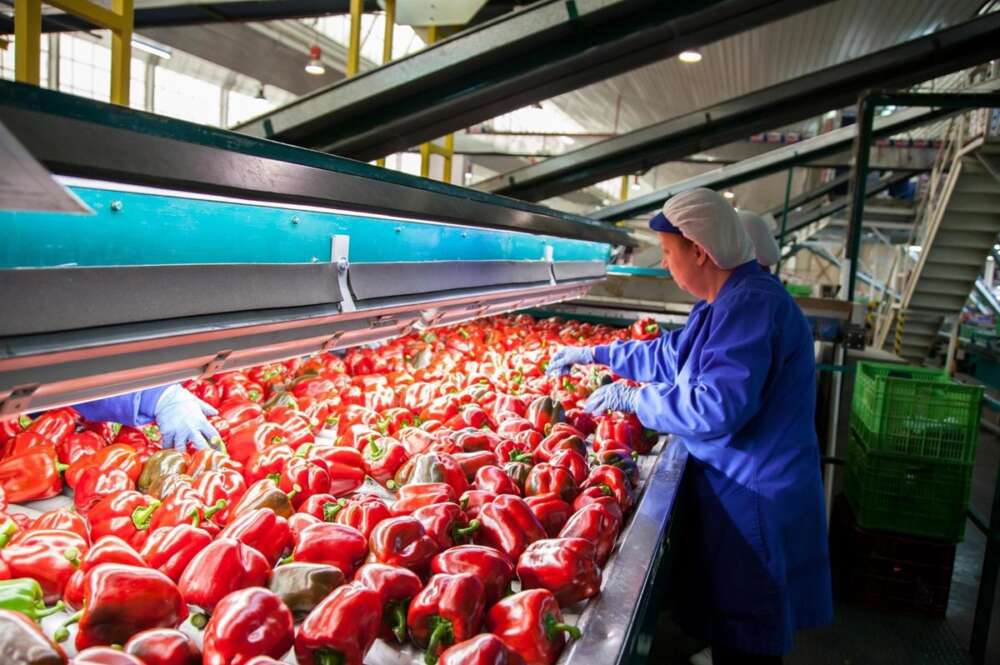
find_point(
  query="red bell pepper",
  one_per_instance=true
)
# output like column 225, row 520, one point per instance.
column 485, row 649
column 416, row 440
column 531, row 624
column 508, row 525
column 306, row 477
column 185, row 506
column 495, row 480
column 563, row 437
column 341, row 629
column 249, row 438
column 265, row 494
column 108, row 549
column 363, row 513
column 332, row 544
column 493, row 568
column 447, row 524
column 80, row 444
column 266, row 462
column 216, row 487
column 262, row 530
column 419, row 495
column 94, row 485
column 224, row 566
column 573, row 462
column 614, row 479
column 120, row 601
column 323, row 507
column 383, row 456
column 432, row 468
column 31, row 475
column 117, row 456
column 623, row 458
column 55, row 425
column 625, row 430
column 105, row 656
column 582, row 421
column 472, row 462
column 597, row 523
column 125, row 514
column 170, row 549
column 565, row 566
column 164, row 646
column 403, row 542
column 473, row 501
column 61, row 519
column 209, row 459
column 547, row 479
column 334, row 455
column 447, row 611
column 551, row 511
column 543, row 413
column 298, row 523
column 248, row 623
column 48, row 556
column 396, row 587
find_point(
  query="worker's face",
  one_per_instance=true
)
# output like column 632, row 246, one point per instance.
column 686, row 261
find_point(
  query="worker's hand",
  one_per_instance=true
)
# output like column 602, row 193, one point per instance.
column 566, row 356
column 181, row 418
column 612, row 397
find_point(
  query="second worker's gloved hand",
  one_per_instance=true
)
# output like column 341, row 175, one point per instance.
column 182, row 418
column 612, row 397
column 566, row 356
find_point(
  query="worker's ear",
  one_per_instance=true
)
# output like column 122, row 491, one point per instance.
column 700, row 255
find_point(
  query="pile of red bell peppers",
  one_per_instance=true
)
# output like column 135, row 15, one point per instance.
column 501, row 501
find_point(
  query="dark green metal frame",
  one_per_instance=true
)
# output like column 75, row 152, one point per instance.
column 867, row 106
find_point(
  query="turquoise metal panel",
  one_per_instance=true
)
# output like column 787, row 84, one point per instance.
column 141, row 229
column 635, row 270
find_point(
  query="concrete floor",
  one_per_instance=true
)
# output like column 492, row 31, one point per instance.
column 861, row 636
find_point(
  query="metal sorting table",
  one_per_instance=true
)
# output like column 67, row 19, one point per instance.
column 609, row 621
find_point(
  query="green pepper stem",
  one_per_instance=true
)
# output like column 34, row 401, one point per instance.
column 553, row 627
column 398, row 614
column 328, row 657
column 288, row 559
column 274, row 477
column 62, row 632
column 391, row 485
column 331, row 508
column 295, row 490
column 195, row 517
column 46, row 611
column 212, row 510
column 377, row 450
column 303, row 451
column 73, row 556
column 142, row 515
column 519, row 456
column 460, row 533
column 441, row 636
column 7, row 532
column 61, row 468
column 24, row 421
column 199, row 620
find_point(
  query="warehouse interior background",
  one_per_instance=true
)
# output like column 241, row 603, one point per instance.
column 612, row 149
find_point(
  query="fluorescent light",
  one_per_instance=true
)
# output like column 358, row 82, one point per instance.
column 729, row 195
column 152, row 49
column 315, row 67
column 689, row 57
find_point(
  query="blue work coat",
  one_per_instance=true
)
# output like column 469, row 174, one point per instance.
column 138, row 408
column 737, row 385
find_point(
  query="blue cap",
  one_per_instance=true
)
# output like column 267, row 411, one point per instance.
column 660, row 223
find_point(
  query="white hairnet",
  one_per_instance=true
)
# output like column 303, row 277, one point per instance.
column 705, row 217
column 762, row 235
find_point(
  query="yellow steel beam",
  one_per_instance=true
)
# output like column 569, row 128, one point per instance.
column 28, row 41
column 447, row 151
column 623, row 192
column 390, row 30
column 121, row 52
column 96, row 14
column 354, row 43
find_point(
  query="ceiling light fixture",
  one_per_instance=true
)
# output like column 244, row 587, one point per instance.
column 315, row 66
column 689, row 57
column 161, row 52
column 729, row 195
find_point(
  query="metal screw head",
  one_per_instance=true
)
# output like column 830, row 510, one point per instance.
column 116, row 206
column 399, row 229
column 295, row 219
column 342, row 265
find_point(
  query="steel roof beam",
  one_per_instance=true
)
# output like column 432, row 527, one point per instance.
column 546, row 49
column 917, row 60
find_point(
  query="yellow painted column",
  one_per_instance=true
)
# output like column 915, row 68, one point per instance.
column 28, row 41
column 121, row 52
column 354, row 43
column 623, row 192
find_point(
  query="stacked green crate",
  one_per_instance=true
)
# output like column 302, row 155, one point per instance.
column 913, row 443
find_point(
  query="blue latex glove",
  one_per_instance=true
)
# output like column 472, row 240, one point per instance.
column 566, row 356
column 181, row 418
column 612, row 397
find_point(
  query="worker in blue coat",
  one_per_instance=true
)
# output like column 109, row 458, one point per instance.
column 736, row 386
column 181, row 417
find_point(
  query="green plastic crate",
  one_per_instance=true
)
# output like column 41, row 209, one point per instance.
column 799, row 290
column 918, row 497
column 915, row 411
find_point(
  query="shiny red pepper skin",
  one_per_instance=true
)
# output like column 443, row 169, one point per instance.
column 170, row 549
column 305, row 478
column 531, row 624
column 79, row 444
column 105, row 656
column 120, row 601
column 403, row 542
column 615, row 480
column 432, row 467
column 247, row 439
column 447, row 611
column 411, row 497
column 117, row 456
column 324, row 507
column 55, row 425
column 363, row 513
column 47, row 556
column 573, row 462
column 264, row 494
column 472, row 501
column 596, row 523
column 396, row 587
column 644, row 329
column 333, row 455
column 262, row 530
column 63, row 519
column 220, row 485
column 495, row 480
column 332, row 544
column 344, row 478
column 266, row 462
column 472, row 462
column 164, row 646
column 125, row 514
column 551, row 511
column 543, row 413
column 558, row 440
column 383, row 456
column 485, row 649
column 298, row 523
column 341, row 629
column 94, row 485
column 547, row 479
column 108, row 549
column 565, row 566
column 447, row 524
column 245, row 624
column 209, row 459
column 30, row 475
column 508, row 525
column 493, row 568
column 623, row 458
column 224, row 566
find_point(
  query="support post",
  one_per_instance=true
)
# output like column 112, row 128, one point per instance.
column 354, row 43
column 859, row 176
column 121, row 52
column 447, row 151
column 623, row 190
column 837, row 381
column 28, row 41
column 949, row 361
column 987, row 583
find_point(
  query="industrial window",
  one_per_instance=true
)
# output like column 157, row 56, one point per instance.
column 186, row 97
column 85, row 70
column 7, row 61
column 243, row 107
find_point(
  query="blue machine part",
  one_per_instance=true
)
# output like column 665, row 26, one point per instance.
column 143, row 228
column 636, row 270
